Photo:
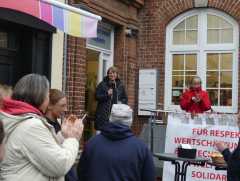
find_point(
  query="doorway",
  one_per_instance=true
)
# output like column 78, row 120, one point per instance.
column 23, row 48
column 92, row 72
column 99, row 58
column 92, row 80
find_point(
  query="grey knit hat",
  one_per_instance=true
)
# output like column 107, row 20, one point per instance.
column 121, row 113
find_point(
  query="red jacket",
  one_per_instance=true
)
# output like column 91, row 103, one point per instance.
column 188, row 105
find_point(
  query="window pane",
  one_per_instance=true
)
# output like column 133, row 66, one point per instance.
column 212, row 61
column 219, row 29
column 226, row 98
column 226, row 36
column 226, row 80
column 180, row 26
column 178, row 37
column 212, row 79
column 213, row 95
column 188, row 80
column 213, row 21
column 177, row 81
column 213, row 36
column 225, row 24
column 174, row 72
column 191, row 23
column 191, row 73
column 178, row 62
column 226, row 61
column 191, row 62
column 3, row 40
column 176, row 93
column 191, row 37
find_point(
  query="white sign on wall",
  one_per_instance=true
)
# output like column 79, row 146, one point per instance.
column 202, row 134
column 147, row 92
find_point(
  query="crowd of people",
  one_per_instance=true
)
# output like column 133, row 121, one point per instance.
column 33, row 151
column 40, row 142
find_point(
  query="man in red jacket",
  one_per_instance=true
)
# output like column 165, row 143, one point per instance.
column 195, row 100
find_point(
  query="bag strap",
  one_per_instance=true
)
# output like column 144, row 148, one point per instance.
column 10, row 133
column 43, row 120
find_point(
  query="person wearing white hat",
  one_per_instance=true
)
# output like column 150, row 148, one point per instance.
column 116, row 154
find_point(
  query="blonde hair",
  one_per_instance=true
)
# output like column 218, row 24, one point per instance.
column 113, row 69
column 5, row 91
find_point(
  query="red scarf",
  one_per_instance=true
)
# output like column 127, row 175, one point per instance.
column 14, row 107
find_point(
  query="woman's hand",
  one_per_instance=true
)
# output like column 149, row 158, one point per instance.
column 221, row 146
column 72, row 129
column 110, row 92
column 196, row 99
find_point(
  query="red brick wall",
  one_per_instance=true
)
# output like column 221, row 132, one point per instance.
column 76, row 74
column 154, row 18
column 126, row 60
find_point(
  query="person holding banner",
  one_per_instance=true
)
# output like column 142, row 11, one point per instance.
column 195, row 100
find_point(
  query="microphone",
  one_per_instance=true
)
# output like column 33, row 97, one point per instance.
column 113, row 84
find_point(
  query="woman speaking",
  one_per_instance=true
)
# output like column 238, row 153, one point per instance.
column 110, row 91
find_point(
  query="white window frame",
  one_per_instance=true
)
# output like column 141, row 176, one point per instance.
column 102, row 52
column 201, row 49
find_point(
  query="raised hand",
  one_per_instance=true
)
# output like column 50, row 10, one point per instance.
column 72, row 129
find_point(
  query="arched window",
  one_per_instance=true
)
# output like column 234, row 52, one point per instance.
column 204, row 43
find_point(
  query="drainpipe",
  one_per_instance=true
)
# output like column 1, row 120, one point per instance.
column 65, row 60
column 125, row 60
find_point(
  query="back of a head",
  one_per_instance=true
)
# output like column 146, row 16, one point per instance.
column 32, row 89
column 121, row 113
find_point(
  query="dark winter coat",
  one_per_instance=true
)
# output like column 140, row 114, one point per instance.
column 105, row 101
column 116, row 155
column 233, row 162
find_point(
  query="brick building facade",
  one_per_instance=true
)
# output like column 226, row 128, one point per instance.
column 154, row 18
column 145, row 48
column 122, row 16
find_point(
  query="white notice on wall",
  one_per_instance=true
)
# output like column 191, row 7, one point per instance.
column 147, row 93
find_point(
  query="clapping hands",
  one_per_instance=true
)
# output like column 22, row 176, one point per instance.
column 72, row 129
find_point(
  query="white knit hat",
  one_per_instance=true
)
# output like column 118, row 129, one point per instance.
column 121, row 113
